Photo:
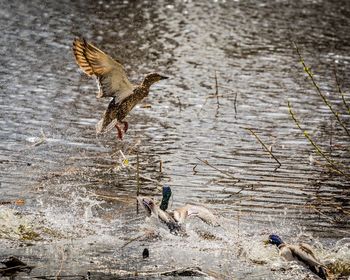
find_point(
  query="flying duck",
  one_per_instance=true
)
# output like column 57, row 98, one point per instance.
column 112, row 82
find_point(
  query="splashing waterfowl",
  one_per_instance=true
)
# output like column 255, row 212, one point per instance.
column 112, row 82
column 175, row 219
column 302, row 253
column 152, row 209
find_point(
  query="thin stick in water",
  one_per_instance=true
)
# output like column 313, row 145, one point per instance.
column 217, row 94
column 235, row 105
column 217, row 169
column 137, row 180
column 265, row 147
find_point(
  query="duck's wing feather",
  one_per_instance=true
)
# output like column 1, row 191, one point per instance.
column 180, row 214
column 198, row 211
column 109, row 118
column 110, row 74
column 304, row 253
column 286, row 253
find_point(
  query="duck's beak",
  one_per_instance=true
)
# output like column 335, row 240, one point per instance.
column 266, row 242
column 163, row 77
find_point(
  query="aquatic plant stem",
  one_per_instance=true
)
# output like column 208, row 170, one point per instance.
column 61, row 264
column 265, row 147
column 217, row 169
column 324, row 98
column 137, row 180
column 341, row 92
column 235, row 105
column 216, row 94
column 317, row 148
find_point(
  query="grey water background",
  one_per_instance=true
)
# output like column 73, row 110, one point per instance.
column 79, row 196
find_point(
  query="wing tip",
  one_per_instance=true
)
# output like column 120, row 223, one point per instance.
column 79, row 46
column 99, row 127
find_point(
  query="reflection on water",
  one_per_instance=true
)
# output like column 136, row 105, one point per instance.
column 79, row 190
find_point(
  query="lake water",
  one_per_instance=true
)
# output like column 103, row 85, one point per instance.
column 79, row 189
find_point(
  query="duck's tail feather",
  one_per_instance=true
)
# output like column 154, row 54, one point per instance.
column 320, row 271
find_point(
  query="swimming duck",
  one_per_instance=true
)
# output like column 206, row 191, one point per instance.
column 299, row 252
column 112, row 82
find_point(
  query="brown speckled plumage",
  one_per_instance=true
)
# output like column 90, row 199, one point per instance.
column 112, row 82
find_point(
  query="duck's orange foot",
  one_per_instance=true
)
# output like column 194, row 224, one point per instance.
column 126, row 126
column 119, row 132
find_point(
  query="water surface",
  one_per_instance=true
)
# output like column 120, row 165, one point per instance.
column 79, row 196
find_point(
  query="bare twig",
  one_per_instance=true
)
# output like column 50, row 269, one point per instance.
column 340, row 91
column 137, row 180
column 264, row 146
column 194, row 169
column 331, row 139
column 217, row 94
column 61, row 265
column 324, row 98
column 179, row 102
column 144, row 177
column 108, row 197
column 251, row 187
column 235, row 105
column 332, row 163
column 187, row 271
column 132, row 240
column 217, row 169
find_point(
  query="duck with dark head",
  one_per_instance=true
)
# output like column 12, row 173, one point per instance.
column 113, row 82
column 303, row 253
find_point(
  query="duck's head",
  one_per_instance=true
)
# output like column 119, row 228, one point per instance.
column 166, row 196
column 152, row 78
column 148, row 204
column 274, row 239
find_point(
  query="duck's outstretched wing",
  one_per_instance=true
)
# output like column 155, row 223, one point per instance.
column 110, row 74
column 201, row 212
column 304, row 253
